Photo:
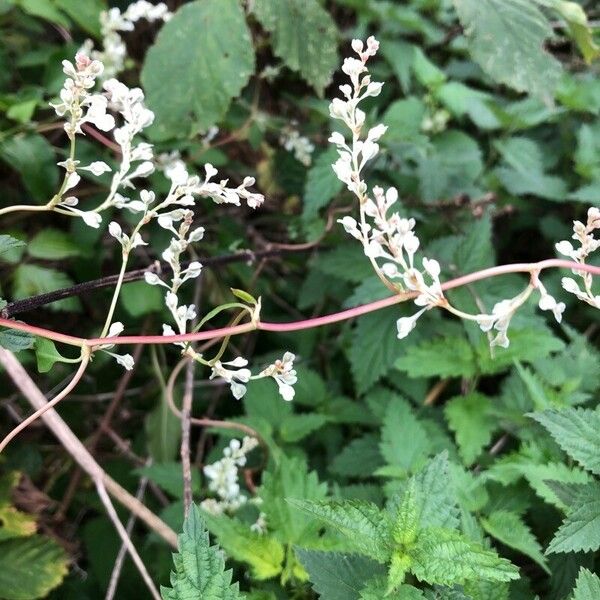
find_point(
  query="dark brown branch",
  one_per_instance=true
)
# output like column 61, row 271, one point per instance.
column 27, row 304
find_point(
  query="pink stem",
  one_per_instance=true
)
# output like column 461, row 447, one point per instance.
column 299, row 325
column 101, row 138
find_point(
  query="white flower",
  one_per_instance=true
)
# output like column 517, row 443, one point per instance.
column 97, row 168
column 284, row 374
column 125, row 360
column 115, row 329
column 91, row 218
column 236, row 378
column 405, row 325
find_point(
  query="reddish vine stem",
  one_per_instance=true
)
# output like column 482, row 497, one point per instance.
column 298, row 325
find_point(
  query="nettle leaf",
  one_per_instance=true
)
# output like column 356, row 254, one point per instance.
column 587, row 586
column 580, row 531
column 360, row 458
column 512, row 531
column 366, row 527
column 15, row 340
column 471, row 419
column 199, row 567
column 380, row 589
column 577, row 432
column 445, row 557
column 262, row 552
column 202, row 58
column 336, row 576
column 304, row 36
column 404, row 441
column 52, row 244
column 30, row 567
column 322, row 184
column 517, row 57
column 7, row 242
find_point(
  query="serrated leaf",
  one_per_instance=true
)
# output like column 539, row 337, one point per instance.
column 472, row 422
column 321, row 184
column 475, row 249
column 517, row 57
column 365, row 526
column 580, row 531
column 304, row 36
column 336, row 576
column 577, row 432
column 199, row 567
column 7, row 242
column 360, row 458
column 30, row 567
column 587, row 586
column 445, row 557
column 296, row 427
column 202, row 58
column 404, row 441
column 262, row 552
column 512, row 531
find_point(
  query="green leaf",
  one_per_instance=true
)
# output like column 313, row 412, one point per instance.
column 85, row 14
column 336, row 576
column 30, row 567
column 365, row 526
column 404, row 441
column 472, row 422
column 199, row 567
column 440, row 357
column 30, row 280
column 296, row 427
column 15, row 340
column 163, row 432
column 404, row 118
column 446, row 557
column 512, row 531
column 47, row 354
column 290, row 480
column 304, row 36
column 580, row 531
column 321, row 184
column 33, row 157
column 374, row 347
column 7, row 242
column 262, row 552
column 140, row 299
column 44, row 9
column 52, row 244
column 360, row 458
column 475, row 249
column 244, row 296
column 517, row 57
column 168, row 476
column 202, row 58
column 577, row 432
column 587, row 586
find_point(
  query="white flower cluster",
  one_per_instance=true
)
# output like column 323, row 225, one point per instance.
column 223, row 477
column 389, row 240
column 583, row 233
column 125, row 360
column 299, row 145
column 112, row 21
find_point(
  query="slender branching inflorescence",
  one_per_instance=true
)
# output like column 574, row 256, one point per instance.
column 223, row 477
column 389, row 240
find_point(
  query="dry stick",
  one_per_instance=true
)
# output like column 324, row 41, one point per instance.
column 186, row 414
column 112, row 513
column 120, row 560
column 78, row 451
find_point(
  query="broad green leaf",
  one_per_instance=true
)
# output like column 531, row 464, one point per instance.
column 8, row 242
column 52, row 244
column 262, row 552
column 15, row 340
column 512, row 531
column 199, row 567
column 168, row 476
column 30, row 567
column 33, row 157
column 304, row 36
column 322, row 184
column 365, row 526
column 475, row 249
column 403, row 119
column 446, row 557
column 580, row 531
column 139, row 298
column 290, row 480
column 47, row 354
column 202, row 58
column 360, row 458
column 346, row 261
column 296, row 427
column 31, row 280
column 587, row 586
column 517, row 56
column 471, row 420
column 85, row 14
column 336, row 576
column 44, row 9
column 400, row 55
column 404, row 441
column 462, row 100
column 577, row 432
column 379, row 589
column 163, row 432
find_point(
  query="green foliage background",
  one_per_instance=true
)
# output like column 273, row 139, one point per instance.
column 421, row 468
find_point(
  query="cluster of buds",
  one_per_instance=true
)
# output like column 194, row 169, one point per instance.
column 113, row 21
column 584, row 234
column 389, row 240
column 125, row 360
column 299, row 145
column 223, row 477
